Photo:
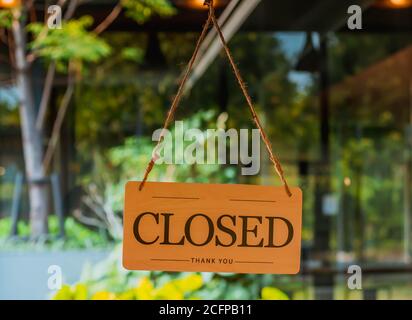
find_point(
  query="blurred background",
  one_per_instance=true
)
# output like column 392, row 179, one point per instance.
column 79, row 104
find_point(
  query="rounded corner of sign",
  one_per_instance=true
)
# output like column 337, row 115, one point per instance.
column 126, row 265
column 125, row 261
column 295, row 270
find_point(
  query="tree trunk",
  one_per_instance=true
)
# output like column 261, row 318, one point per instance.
column 31, row 136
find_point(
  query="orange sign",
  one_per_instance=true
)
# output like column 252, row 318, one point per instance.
column 212, row 228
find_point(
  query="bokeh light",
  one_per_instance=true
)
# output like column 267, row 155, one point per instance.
column 9, row 3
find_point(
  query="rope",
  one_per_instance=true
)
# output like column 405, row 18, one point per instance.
column 176, row 101
column 275, row 161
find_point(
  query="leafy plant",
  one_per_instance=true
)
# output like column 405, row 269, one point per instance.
column 185, row 287
column 109, row 280
column 6, row 18
column 72, row 42
column 128, row 162
column 110, row 172
column 142, row 10
column 177, row 289
column 77, row 236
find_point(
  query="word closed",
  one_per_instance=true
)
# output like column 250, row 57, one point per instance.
column 212, row 228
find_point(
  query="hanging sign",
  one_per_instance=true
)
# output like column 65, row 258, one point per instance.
column 212, row 228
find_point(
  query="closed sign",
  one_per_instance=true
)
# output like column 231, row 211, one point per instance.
column 212, row 228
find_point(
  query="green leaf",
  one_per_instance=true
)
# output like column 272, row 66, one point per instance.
column 72, row 42
column 6, row 18
column 143, row 10
column 132, row 54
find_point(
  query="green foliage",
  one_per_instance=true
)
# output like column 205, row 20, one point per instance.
column 72, row 42
column 186, row 287
column 176, row 289
column 136, row 153
column 282, row 107
column 132, row 54
column 6, row 18
column 143, row 10
column 5, row 226
column 347, row 52
column 108, row 280
column 77, row 236
column 375, row 171
column 128, row 162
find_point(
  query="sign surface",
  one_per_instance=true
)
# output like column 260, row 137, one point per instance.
column 212, row 228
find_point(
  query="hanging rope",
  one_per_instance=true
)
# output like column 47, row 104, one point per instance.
column 212, row 19
column 176, row 101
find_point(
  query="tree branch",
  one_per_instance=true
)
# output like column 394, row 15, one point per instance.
column 11, row 46
column 69, row 13
column 69, row 92
column 48, row 85
column 109, row 19
column 59, row 121
column 32, row 11
column 88, row 220
column 70, row 9
column 70, row 89
column 3, row 36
